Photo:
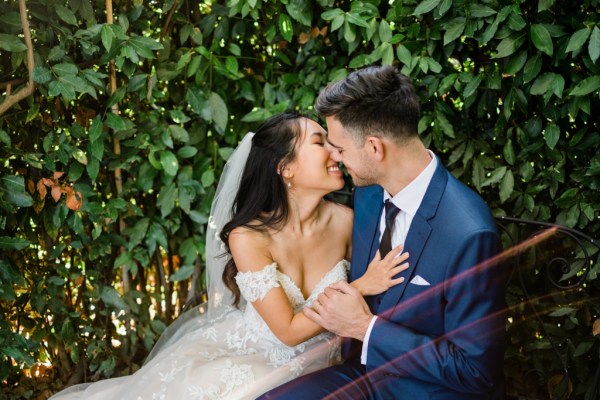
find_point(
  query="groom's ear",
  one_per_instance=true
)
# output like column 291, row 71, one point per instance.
column 375, row 147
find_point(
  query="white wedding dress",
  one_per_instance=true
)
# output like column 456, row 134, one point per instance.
column 235, row 356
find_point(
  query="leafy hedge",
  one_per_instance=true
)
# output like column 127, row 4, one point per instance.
column 108, row 168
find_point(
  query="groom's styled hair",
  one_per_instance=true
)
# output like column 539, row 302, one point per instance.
column 377, row 100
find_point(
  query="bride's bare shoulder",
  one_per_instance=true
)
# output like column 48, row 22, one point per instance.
column 342, row 213
column 250, row 248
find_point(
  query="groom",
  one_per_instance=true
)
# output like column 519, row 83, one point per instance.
column 439, row 334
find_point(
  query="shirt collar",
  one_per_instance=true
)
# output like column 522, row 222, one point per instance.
column 410, row 197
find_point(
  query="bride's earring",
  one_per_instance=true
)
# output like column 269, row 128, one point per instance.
column 289, row 184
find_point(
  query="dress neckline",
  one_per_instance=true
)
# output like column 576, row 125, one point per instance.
column 317, row 286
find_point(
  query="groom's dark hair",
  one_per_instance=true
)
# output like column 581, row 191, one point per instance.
column 261, row 200
column 377, row 100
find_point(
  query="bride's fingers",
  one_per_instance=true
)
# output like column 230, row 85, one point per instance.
column 400, row 268
column 393, row 253
column 397, row 281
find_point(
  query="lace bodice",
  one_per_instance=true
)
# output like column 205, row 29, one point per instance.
column 255, row 285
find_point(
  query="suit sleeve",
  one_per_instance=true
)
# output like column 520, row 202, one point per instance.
column 468, row 357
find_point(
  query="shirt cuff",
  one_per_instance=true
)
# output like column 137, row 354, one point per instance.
column 365, row 348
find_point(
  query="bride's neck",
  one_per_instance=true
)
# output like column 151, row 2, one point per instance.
column 304, row 212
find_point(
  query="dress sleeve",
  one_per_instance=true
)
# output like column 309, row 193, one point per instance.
column 255, row 285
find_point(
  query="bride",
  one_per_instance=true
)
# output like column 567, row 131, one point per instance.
column 277, row 244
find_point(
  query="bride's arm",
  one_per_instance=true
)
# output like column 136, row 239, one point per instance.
column 250, row 251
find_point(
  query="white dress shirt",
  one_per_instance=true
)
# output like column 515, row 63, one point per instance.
column 408, row 200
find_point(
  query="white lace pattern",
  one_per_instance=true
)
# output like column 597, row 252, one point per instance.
column 234, row 356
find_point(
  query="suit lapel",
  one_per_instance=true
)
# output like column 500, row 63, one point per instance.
column 367, row 214
column 417, row 236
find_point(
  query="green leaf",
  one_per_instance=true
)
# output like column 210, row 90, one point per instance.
column 542, row 84
column 385, row 31
column 357, row 19
column 14, row 191
column 586, row 86
column 551, row 135
column 426, row 6
column 403, row 55
column 218, row 110
column 138, row 233
column 197, row 101
column 472, row 86
column 13, row 243
column 65, row 14
column 509, row 152
column 95, row 128
column 178, row 133
column 578, row 39
column 532, row 68
column 562, row 312
column 115, row 122
column 65, row 69
column 80, row 156
column 495, row 176
column 169, row 163
column 444, row 124
column 107, row 36
column 111, row 297
column 509, row 45
column 97, row 149
column 331, row 14
column 11, row 43
column 187, row 152
column 301, row 11
column 166, row 199
column 506, row 186
column 144, row 46
column 481, row 11
column 285, row 27
column 208, row 178
column 454, row 29
column 544, row 5
column 541, row 38
column 594, row 45
column 41, row 75
column 182, row 273
column 4, row 138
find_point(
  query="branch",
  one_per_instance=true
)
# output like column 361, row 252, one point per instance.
column 29, row 88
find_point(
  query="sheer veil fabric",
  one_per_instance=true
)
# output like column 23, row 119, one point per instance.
column 217, row 351
column 220, row 297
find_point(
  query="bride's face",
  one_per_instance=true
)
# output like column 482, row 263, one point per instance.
column 313, row 168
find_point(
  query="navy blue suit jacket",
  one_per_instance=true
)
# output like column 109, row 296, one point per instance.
column 444, row 340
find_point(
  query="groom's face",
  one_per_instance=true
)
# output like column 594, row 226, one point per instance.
column 344, row 149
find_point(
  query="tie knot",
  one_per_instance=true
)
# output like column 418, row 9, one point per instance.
column 391, row 211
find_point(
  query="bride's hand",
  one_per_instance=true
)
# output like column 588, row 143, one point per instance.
column 379, row 276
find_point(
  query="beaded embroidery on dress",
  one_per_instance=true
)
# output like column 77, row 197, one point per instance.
column 235, row 356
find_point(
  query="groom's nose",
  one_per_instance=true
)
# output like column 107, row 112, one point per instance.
column 334, row 153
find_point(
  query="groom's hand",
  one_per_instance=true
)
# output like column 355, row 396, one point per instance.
column 342, row 310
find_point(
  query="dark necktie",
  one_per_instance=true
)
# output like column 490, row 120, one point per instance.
column 391, row 211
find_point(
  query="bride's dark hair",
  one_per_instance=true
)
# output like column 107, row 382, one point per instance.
column 261, row 200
